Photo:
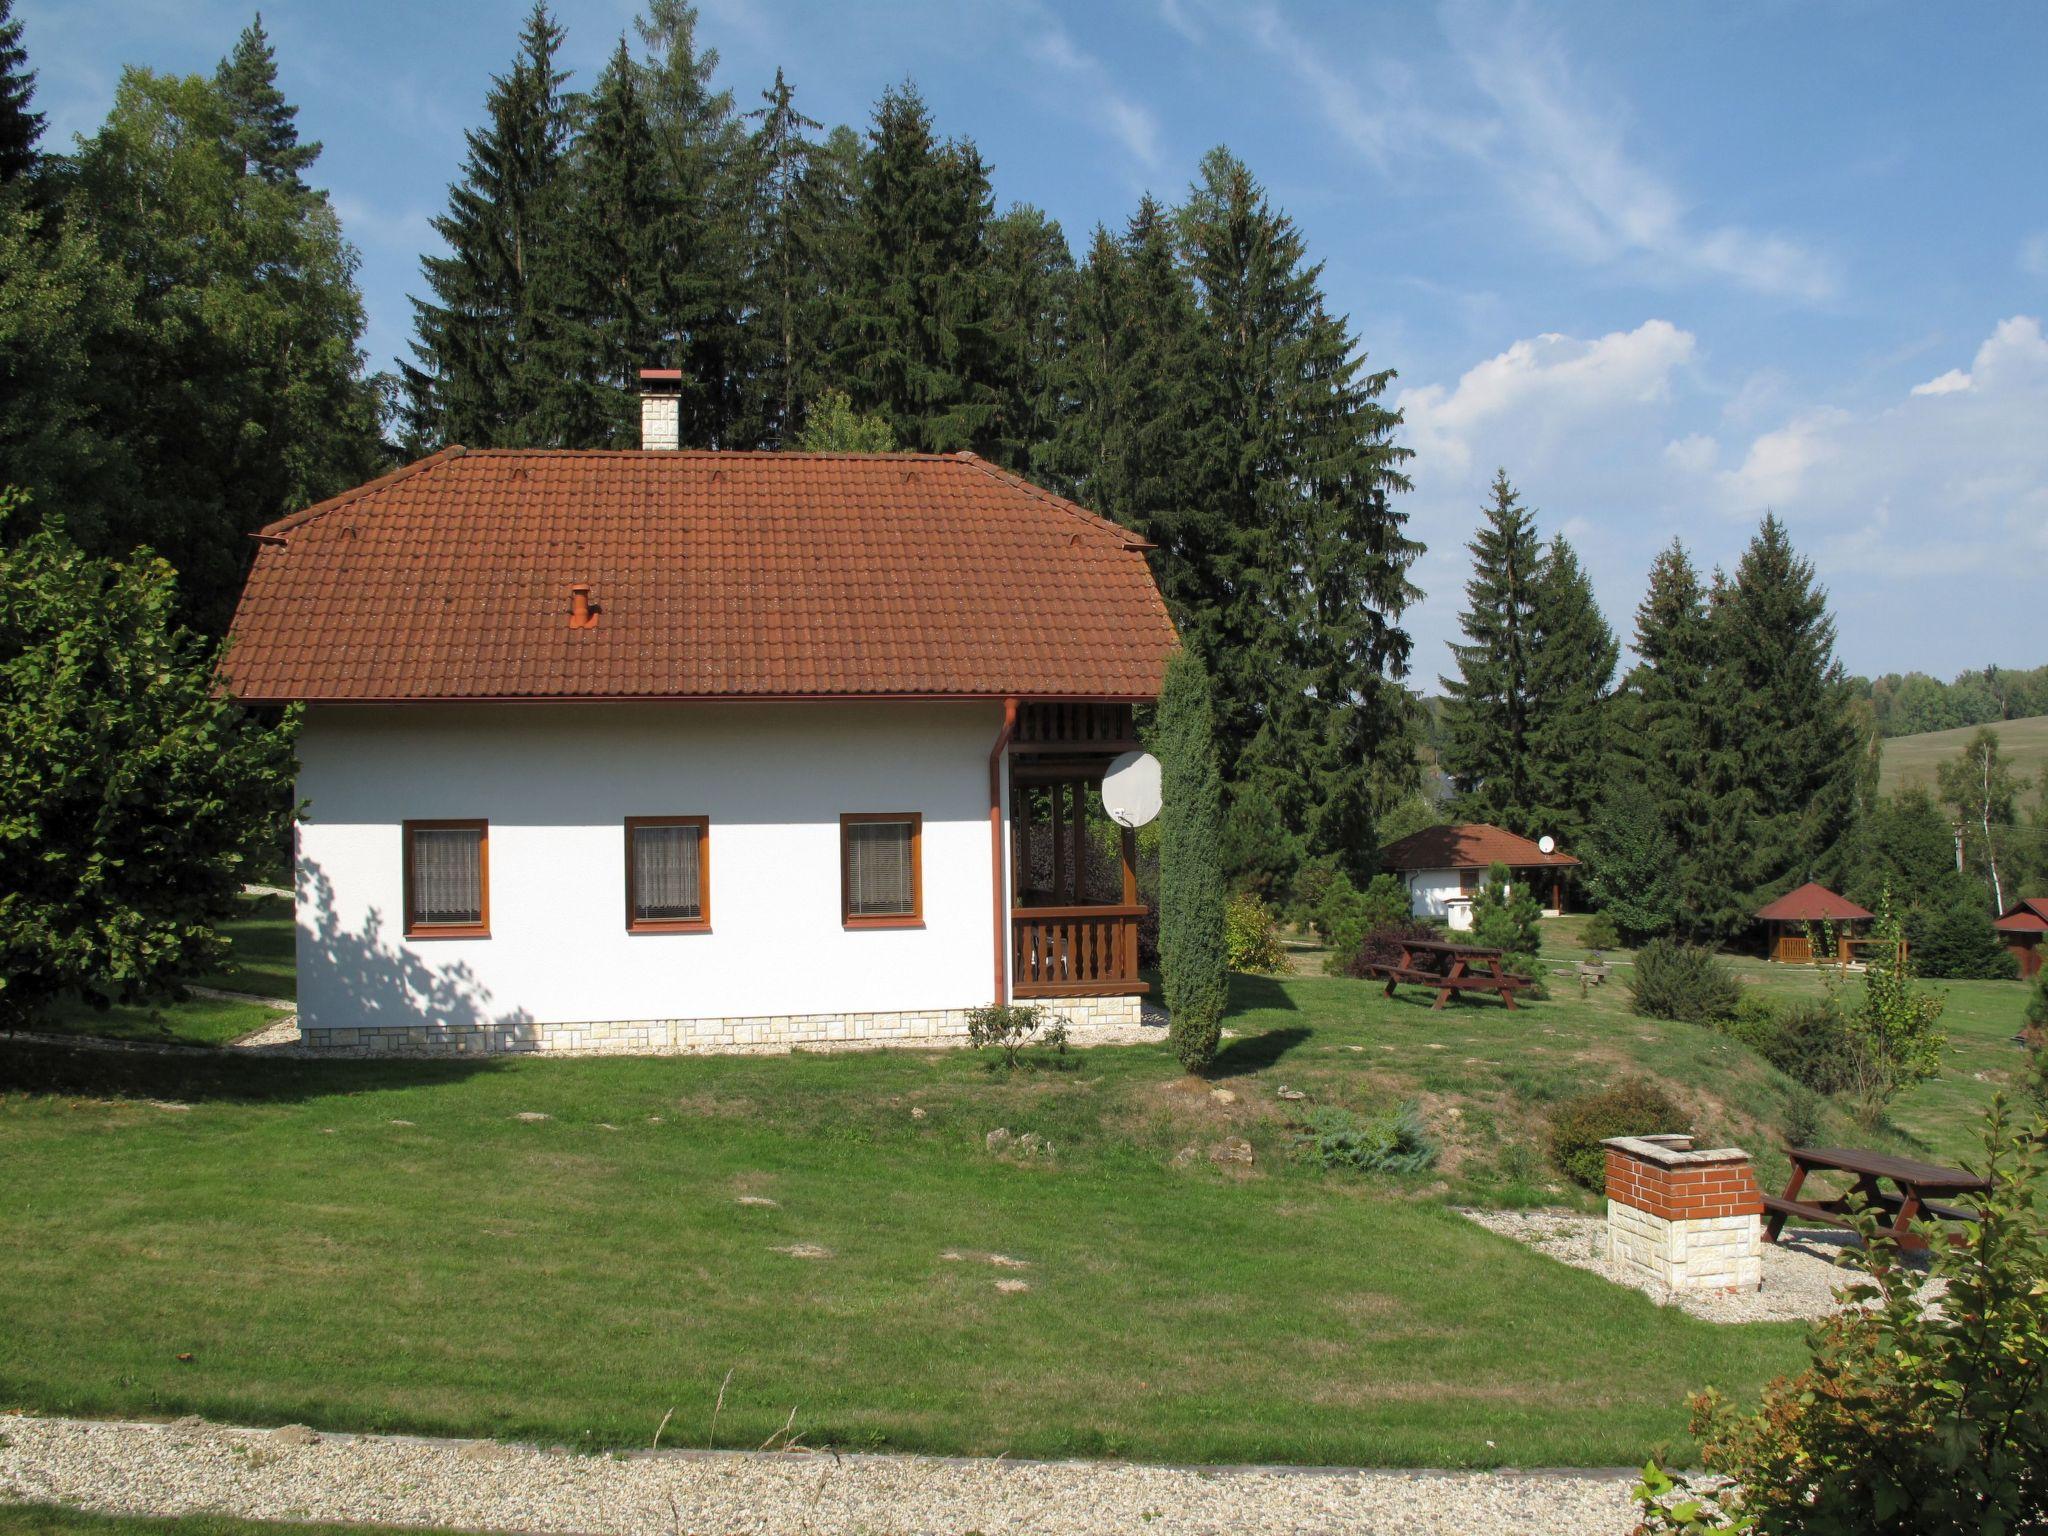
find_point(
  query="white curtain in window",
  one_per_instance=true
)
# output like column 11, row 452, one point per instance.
column 447, row 875
column 665, row 873
column 879, row 879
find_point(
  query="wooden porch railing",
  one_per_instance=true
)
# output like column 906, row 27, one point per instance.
column 1080, row 951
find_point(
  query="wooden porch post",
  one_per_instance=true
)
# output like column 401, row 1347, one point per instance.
column 1129, row 926
column 1059, row 842
column 1080, row 841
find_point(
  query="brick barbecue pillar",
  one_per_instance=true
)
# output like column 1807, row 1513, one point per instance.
column 1691, row 1220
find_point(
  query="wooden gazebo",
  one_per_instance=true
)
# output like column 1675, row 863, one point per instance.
column 1793, row 917
column 2020, row 928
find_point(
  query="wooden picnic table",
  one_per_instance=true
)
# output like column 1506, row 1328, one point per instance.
column 1450, row 968
column 1918, row 1190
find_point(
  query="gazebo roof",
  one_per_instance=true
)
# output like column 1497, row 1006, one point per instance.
column 1813, row 903
column 2027, row 915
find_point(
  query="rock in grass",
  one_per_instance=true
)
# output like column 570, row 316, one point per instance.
column 1012, row 1287
column 805, row 1251
column 1234, row 1150
column 755, row 1200
column 530, row 1115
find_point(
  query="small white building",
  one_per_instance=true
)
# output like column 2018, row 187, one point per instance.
column 1443, row 868
column 668, row 751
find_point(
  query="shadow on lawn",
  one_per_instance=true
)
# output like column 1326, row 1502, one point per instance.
column 204, row 1074
column 1241, row 1058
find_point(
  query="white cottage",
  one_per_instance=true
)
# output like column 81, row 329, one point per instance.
column 1443, row 868
column 667, row 751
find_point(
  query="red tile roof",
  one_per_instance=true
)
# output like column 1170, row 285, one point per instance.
column 2027, row 915
column 1468, row 845
column 1812, row 903
column 715, row 575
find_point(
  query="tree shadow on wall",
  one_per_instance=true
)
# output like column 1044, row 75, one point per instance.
column 386, row 987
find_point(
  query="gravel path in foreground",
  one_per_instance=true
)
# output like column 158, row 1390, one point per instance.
column 294, row 1474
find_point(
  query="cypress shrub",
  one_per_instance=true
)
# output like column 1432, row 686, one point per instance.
column 1192, row 956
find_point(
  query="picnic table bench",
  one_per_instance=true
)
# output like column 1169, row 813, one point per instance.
column 1918, row 1191
column 1450, row 968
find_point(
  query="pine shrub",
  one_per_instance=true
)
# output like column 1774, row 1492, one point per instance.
column 1686, row 983
column 1632, row 1107
column 1956, row 942
column 1392, row 1143
column 1600, row 933
column 1192, row 955
column 1250, row 940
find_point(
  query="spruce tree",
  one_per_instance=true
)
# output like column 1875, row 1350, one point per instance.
column 482, row 344
column 1571, row 667
column 264, row 129
column 915, row 336
column 1031, row 289
column 604, row 287
column 779, row 155
column 1487, row 707
column 823, row 233
column 1799, row 748
column 1305, row 554
column 21, row 127
column 701, row 143
column 1632, row 860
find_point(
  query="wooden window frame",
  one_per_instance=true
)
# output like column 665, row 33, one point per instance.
column 701, row 923
column 914, row 918
column 415, row 929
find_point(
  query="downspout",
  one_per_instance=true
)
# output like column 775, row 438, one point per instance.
column 996, row 861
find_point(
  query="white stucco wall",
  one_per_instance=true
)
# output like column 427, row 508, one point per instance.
column 1438, row 893
column 556, row 783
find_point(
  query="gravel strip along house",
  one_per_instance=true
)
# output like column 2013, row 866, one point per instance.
column 669, row 750
column 292, row 1473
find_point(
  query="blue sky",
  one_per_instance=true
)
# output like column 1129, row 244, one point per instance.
column 1669, row 265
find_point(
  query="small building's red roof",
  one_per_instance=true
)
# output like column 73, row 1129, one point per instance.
column 1813, row 903
column 714, row 575
column 1468, row 845
column 2027, row 915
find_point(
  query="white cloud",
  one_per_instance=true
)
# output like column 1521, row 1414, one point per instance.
column 1537, row 388
column 1955, row 381
column 1951, row 478
column 2034, row 254
column 1126, row 120
column 1567, row 164
column 1693, row 454
column 1532, row 128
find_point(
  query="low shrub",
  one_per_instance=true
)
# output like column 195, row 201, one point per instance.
column 1632, row 1107
column 1381, row 945
column 1600, row 932
column 1682, row 982
column 1956, row 942
column 1815, row 1046
column 1910, row 1418
column 1390, row 1143
column 1802, row 1123
column 1009, row 1030
column 1349, row 914
column 1251, row 942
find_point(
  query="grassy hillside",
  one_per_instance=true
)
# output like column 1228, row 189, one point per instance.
column 1911, row 759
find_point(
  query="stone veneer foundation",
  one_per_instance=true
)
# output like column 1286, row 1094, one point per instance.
column 689, row 1037
column 1693, row 1221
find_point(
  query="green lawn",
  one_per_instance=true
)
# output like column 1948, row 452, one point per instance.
column 55, row 1520
column 196, row 1021
column 572, row 1279
column 264, row 960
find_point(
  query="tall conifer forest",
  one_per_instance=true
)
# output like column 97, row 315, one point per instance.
column 182, row 361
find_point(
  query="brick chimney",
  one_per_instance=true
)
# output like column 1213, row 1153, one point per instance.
column 661, row 408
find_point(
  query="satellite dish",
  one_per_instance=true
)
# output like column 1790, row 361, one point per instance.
column 1546, row 844
column 1130, row 789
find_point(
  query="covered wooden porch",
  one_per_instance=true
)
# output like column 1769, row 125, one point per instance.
column 1074, row 908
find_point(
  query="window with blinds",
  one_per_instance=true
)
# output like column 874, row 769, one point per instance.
column 668, row 873
column 447, row 879
column 880, row 877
